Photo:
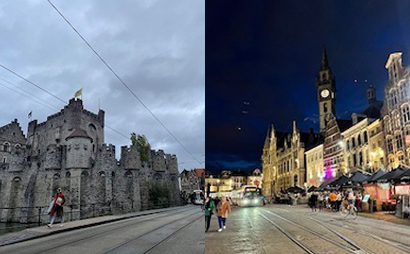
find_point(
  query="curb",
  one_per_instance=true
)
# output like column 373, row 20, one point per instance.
column 89, row 225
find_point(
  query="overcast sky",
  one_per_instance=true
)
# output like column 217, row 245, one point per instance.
column 157, row 47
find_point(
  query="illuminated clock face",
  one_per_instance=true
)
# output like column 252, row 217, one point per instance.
column 325, row 93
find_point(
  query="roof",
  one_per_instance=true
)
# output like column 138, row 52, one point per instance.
column 403, row 177
column 358, row 177
column 281, row 139
column 340, row 181
column 238, row 173
column 391, row 175
column 344, row 124
column 373, row 111
column 375, row 176
column 311, row 140
column 199, row 172
column 79, row 133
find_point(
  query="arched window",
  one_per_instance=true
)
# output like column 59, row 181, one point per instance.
column 6, row 147
column 399, row 141
column 68, row 175
column 359, row 140
column 353, row 143
column 325, row 107
column 347, row 144
column 389, row 145
column 360, row 158
column 406, row 113
column 365, row 137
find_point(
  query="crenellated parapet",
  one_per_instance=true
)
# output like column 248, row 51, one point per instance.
column 130, row 158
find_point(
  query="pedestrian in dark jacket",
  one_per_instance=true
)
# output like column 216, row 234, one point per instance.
column 209, row 208
column 57, row 209
column 313, row 201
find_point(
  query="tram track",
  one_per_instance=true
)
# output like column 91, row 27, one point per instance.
column 122, row 225
column 116, row 248
column 350, row 247
column 389, row 241
column 169, row 236
column 354, row 229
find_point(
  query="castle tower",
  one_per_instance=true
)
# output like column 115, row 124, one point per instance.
column 326, row 91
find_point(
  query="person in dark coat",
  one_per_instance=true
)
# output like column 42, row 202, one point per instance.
column 209, row 207
column 313, row 201
column 57, row 209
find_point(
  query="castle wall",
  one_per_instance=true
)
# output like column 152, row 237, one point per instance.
column 86, row 169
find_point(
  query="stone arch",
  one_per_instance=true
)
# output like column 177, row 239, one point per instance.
column 6, row 146
column 85, row 197
column 101, row 187
column 129, row 190
column 157, row 177
column 15, row 191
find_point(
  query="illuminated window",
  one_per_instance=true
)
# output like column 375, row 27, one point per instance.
column 406, row 113
column 399, row 141
column 389, row 145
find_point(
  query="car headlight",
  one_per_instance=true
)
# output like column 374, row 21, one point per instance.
column 255, row 201
column 245, row 201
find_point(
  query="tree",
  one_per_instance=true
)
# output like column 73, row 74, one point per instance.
column 142, row 144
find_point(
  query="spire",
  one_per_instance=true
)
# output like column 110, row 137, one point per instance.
column 294, row 126
column 268, row 137
column 325, row 62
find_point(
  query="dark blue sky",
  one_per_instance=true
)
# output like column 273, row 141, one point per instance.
column 268, row 53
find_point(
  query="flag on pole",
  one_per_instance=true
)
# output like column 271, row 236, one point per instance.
column 29, row 114
column 78, row 93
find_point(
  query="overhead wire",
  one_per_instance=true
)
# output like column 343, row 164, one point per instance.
column 121, row 81
column 45, row 90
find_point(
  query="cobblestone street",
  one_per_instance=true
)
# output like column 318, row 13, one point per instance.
column 296, row 229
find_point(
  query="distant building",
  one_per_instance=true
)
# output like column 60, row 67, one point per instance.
column 230, row 180
column 192, row 180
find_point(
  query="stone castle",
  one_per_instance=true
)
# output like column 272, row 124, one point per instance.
column 68, row 151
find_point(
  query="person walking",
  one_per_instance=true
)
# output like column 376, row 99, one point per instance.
column 321, row 200
column 313, row 201
column 224, row 209
column 332, row 199
column 338, row 200
column 209, row 207
column 57, row 209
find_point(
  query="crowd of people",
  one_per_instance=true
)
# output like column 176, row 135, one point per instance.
column 222, row 207
column 335, row 199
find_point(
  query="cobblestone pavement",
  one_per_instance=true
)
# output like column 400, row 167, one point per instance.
column 296, row 229
column 150, row 232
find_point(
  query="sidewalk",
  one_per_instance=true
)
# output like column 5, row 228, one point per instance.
column 42, row 231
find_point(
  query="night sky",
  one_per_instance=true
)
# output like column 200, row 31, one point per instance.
column 262, row 59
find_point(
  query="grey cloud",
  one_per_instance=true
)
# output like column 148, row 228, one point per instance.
column 157, row 47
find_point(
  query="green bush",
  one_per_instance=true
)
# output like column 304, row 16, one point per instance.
column 159, row 195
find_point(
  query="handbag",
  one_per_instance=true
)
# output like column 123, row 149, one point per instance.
column 50, row 207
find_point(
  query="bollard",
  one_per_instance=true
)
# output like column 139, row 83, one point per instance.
column 39, row 215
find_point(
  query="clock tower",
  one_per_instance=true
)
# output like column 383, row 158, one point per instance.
column 326, row 92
